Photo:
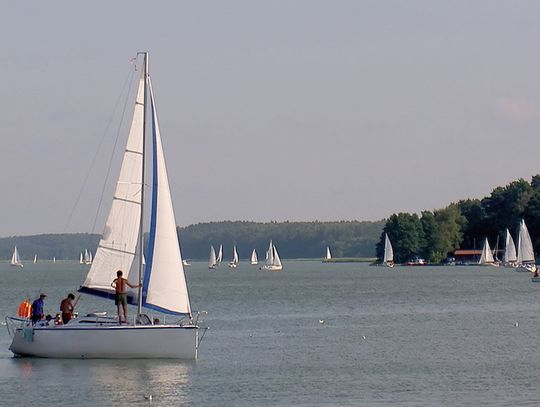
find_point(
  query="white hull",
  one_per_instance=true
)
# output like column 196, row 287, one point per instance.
column 272, row 268
column 233, row 265
column 108, row 342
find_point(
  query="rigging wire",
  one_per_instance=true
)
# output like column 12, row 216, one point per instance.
column 114, row 148
column 128, row 81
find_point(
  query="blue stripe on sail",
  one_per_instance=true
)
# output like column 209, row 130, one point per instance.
column 104, row 294
column 164, row 310
column 153, row 215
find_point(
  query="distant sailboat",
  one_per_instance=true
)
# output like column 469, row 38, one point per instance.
column 234, row 262
column 328, row 255
column 186, row 263
column 388, row 259
column 81, row 259
column 254, row 260
column 219, row 258
column 510, row 256
column 87, row 258
column 15, row 259
column 525, row 252
column 54, row 259
column 273, row 262
column 212, row 262
column 486, row 259
column 35, row 258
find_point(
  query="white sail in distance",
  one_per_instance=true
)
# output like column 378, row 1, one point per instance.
column 525, row 251
column 487, row 254
column 510, row 255
column 388, row 251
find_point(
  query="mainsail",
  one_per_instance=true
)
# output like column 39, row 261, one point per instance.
column 254, row 260
column 212, row 260
column 220, row 254
column 487, row 254
column 328, row 255
column 117, row 248
column 388, row 251
column 525, row 251
column 509, row 249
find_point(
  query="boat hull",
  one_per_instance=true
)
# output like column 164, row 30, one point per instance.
column 113, row 342
column 272, row 268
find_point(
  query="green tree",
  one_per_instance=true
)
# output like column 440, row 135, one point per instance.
column 405, row 232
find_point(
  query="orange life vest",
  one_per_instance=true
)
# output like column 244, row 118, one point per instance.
column 25, row 309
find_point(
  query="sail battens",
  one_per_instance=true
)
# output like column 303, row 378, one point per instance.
column 116, row 198
column 133, row 152
column 115, row 249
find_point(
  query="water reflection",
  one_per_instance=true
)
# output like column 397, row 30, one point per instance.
column 102, row 382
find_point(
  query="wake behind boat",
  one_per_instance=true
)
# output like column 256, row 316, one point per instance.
column 163, row 286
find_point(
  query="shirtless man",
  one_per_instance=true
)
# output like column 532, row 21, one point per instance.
column 120, row 298
column 66, row 306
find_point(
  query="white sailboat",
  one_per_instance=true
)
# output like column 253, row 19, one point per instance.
column 328, row 255
column 486, row 258
column 35, row 258
column 219, row 258
column 15, row 258
column 87, row 258
column 164, row 286
column 81, row 259
column 525, row 252
column 510, row 256
column 212, row 262
column 388, row 259
column 273, row 262
column 253, row 260
column 234, row 262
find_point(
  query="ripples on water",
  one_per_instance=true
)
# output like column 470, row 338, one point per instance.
column 315, row 334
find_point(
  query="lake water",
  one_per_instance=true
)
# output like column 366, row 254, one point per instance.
column 402, row 337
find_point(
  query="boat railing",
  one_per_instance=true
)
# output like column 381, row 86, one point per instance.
column 12, row 323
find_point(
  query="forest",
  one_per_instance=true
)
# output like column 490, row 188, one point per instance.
column 435, row 235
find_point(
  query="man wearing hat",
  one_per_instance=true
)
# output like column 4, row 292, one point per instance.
column 37, row 309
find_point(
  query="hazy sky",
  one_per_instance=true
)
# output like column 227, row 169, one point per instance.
column 275, row 110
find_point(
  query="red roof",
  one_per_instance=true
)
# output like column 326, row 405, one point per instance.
column 467, row 252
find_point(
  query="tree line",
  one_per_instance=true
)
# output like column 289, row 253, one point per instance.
column 293, row 239
column 435, row 235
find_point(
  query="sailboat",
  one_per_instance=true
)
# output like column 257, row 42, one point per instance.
column 328, row 255
column 486, row 258
column 388, row 259
column 219, row 258
column 273, row 262
column 15, row 259
column 253, row 260
column 234, row 262
column 163, row 287
column 525, row 252
column 212, row 263
column 87, row 258
column 510, row 256
column 35, row 258
column 81, row 259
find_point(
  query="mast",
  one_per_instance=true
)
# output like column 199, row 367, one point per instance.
column 141, row 223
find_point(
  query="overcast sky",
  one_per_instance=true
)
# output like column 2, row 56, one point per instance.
column 270, row 110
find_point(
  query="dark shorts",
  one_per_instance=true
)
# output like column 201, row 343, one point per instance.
column 120, row 298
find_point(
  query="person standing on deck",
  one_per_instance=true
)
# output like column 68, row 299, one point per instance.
column 120, row 298
column 66, row 306
column 37, row 309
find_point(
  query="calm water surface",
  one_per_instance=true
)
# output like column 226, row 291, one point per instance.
column 407, row 336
